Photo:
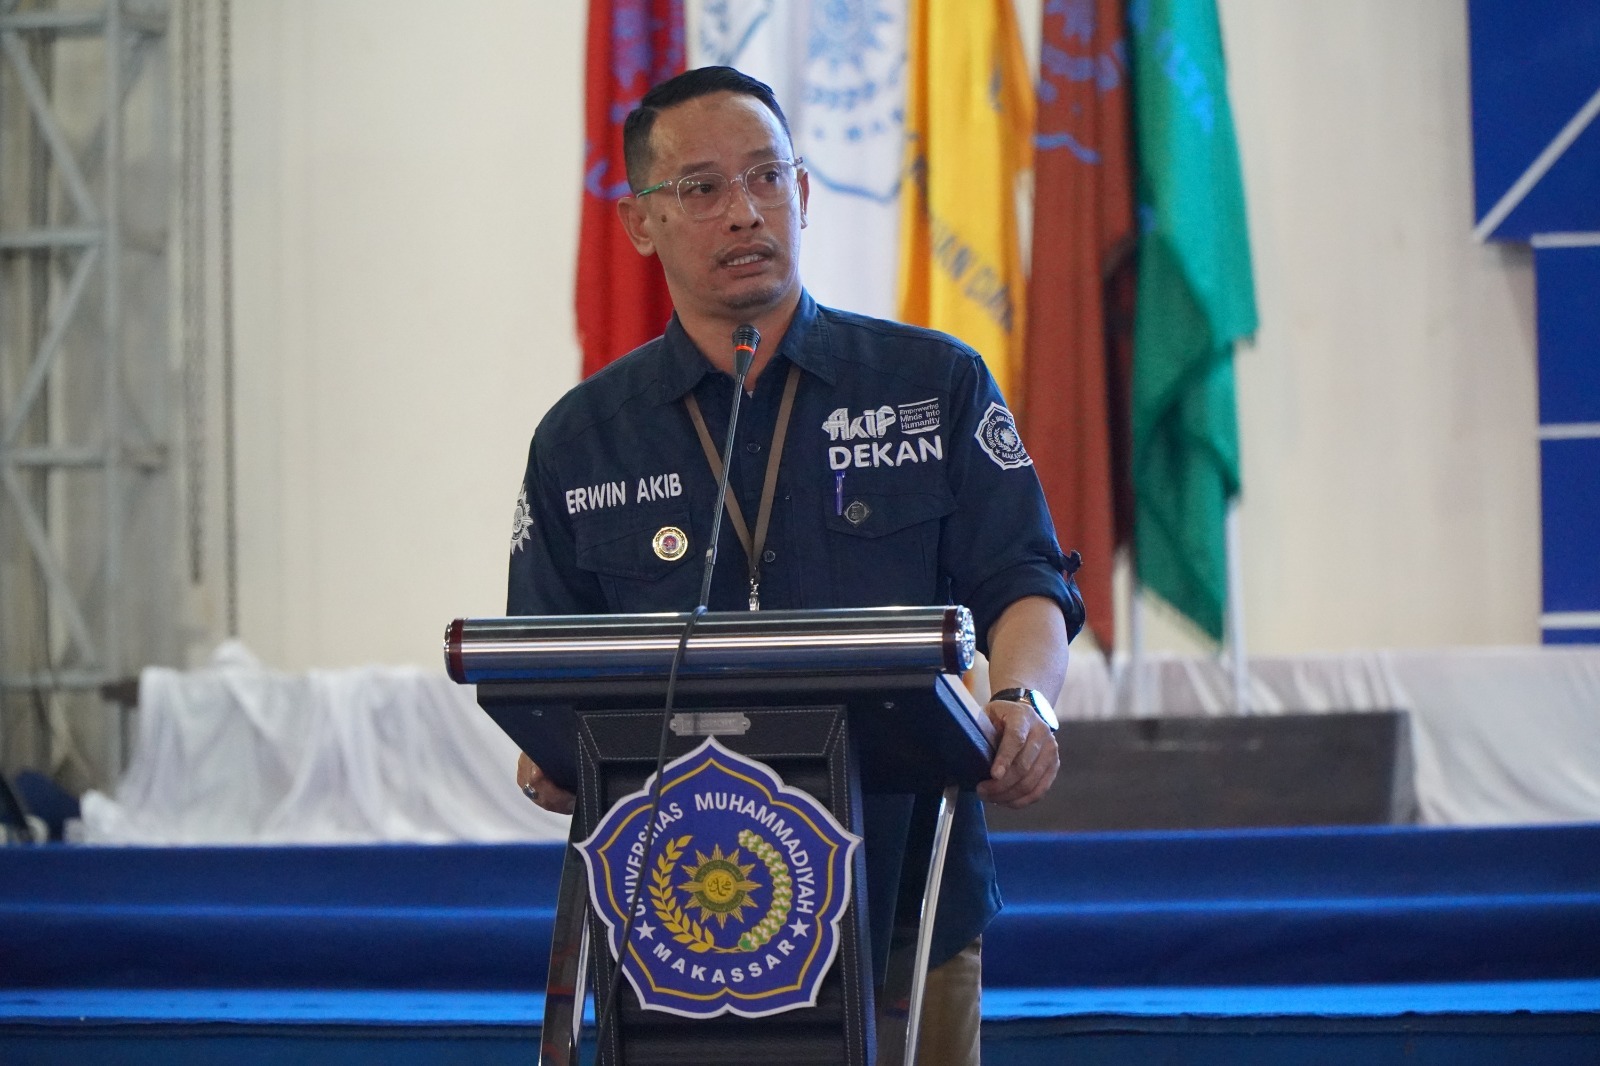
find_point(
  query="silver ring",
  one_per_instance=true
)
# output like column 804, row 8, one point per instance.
column 531, row 791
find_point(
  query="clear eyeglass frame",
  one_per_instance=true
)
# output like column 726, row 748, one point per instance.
column 702, row 197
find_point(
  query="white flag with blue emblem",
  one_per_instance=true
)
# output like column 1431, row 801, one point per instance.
column 838, row 69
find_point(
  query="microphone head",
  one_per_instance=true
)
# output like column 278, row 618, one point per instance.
column 745, row 341
column 746, row 336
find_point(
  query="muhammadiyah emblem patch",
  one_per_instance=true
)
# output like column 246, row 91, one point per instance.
column 746, row 884
column 521, row 522
column 997, row 435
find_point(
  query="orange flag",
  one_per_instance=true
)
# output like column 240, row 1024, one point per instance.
column 968, row 113
column 1077, row 368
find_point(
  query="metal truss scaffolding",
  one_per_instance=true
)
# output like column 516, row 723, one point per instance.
column 84, row 206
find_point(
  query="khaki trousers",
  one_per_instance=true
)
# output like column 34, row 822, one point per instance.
column 951, row 1014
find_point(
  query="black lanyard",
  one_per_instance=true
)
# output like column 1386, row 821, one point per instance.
column 752, row 547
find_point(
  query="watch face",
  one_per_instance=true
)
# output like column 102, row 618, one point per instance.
column 1047, row 712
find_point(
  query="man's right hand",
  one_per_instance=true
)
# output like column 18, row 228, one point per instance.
column 540, row 789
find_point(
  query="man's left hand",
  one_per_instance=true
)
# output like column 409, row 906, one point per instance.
column 1026, row 759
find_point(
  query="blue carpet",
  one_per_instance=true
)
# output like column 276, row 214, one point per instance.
column 310, row 1006
column 1404, row 945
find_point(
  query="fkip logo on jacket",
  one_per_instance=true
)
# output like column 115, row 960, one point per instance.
column 915, row 420
column 746, row 884
column 841, row 426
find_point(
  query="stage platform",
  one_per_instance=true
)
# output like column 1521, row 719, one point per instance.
column 1371, row 945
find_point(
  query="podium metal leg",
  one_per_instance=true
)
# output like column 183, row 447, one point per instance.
column 580, row 990
column 930, row 907
column 565, row 986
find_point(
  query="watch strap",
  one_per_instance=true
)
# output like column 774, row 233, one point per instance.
column 1032, row 698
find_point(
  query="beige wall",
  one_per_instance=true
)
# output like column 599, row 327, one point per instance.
column 1388, row 406
column 407, row 180
column 406, row 194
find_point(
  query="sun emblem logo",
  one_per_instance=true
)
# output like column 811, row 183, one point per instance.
column 845, row 31
column 521, row 522
column 720, row 886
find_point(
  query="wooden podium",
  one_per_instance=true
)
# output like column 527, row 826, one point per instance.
column 836, row 702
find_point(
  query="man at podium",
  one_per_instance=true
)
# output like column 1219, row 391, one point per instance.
column 874, row 464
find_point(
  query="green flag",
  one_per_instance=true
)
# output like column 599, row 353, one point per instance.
column 1195, row 297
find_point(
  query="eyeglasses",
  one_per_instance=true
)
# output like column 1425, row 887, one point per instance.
column 705, row 196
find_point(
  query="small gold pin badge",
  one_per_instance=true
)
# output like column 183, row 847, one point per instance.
column 670, row 543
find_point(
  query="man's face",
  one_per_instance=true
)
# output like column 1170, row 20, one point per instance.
column 744, row 262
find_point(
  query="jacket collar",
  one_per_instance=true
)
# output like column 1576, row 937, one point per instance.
column 805, row 344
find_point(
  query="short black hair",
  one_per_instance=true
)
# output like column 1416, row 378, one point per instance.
column 702, row 81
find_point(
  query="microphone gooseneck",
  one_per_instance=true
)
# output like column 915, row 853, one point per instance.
column 745, row 341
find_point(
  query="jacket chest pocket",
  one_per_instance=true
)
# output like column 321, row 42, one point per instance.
column 642, row 564
column 883, row 544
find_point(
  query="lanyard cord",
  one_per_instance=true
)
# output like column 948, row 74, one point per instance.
column 769, row 487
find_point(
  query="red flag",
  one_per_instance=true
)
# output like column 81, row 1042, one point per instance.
column 1078, row 360
column 622, row 297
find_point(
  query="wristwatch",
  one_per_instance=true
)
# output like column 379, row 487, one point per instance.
column 1033, row 698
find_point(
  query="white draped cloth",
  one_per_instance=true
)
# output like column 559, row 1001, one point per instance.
column 1499, row 735
column 235, row 753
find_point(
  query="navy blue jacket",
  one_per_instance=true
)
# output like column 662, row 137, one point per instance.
column 902, row 482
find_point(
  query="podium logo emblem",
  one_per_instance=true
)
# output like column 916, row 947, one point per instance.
column 743, row 891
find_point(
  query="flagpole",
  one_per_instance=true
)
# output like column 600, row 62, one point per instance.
column 1235, row 613
column 1135, row 665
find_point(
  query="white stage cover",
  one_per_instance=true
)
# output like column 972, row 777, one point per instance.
column 235, row 753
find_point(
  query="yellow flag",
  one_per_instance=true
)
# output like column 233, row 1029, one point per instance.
column 969, row 126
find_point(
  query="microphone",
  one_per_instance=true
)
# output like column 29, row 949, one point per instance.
column 745, row 340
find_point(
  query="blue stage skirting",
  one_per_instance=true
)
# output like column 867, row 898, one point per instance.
column 1300, row 907
column 1132, row 932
